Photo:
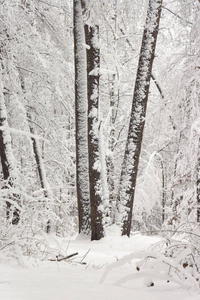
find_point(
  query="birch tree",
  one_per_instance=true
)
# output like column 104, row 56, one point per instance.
column 137, row 120
column 81, row 110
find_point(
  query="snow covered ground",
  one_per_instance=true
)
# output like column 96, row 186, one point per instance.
column 79, row 278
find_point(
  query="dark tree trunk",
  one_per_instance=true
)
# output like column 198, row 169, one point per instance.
column 7, row 158
column 96, row 198
column 198, row 189
column 81, row 111
column 41, row 170
column 136, row 126
column 39, row 160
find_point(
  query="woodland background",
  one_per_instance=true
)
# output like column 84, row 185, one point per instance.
column 37, row 119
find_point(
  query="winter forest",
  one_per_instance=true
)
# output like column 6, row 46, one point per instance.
column 100, row 136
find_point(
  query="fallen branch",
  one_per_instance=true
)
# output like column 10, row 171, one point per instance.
column 63, row 258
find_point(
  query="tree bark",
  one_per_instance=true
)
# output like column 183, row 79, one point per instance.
column 7, row 158
column 96, row 193
column 198, row 189
column 81, row 110
column 41, row 170
column 112, row 141
column 137, row 120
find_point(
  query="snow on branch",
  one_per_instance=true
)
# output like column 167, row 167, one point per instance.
column 22, row 132
column 85, row 46
column 101, row 71
column 156, row 265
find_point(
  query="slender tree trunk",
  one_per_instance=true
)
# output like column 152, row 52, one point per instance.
column 38, row 156
column 7, row 158
column 198, row 189
column 114, row 103
column 136, row 126
column 81, row 110
column 39, row 162
column 96, row 193
column 41, row 171
column 110, row 163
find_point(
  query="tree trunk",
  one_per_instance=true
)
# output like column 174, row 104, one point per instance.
column 41, row 170
column 7, row 158
column 114, row 103
column 96, row 193
column 38, row 156
column 110, row 162
column 198, row 189
column 81, row 110
column 136, row 126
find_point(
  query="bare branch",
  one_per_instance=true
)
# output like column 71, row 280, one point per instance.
column 175, row 14
column 64, row 258
column 152, row 76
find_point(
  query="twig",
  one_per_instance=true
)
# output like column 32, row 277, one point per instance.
column 127, row 40
column 157, row 85
column 85, row 256
column 177, row 15
column 172, row 231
